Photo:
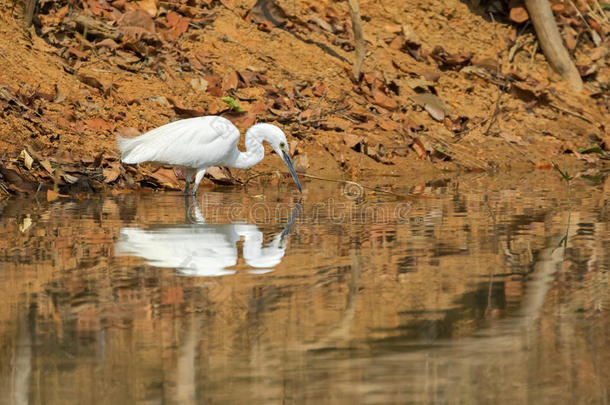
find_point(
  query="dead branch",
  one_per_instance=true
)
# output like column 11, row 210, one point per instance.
column 572, row 113
column 354, row 11
column 551, row 43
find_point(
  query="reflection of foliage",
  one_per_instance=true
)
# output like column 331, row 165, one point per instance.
column 566, row 176
column 564, row 173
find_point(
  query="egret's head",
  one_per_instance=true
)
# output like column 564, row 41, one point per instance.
column 277, row 139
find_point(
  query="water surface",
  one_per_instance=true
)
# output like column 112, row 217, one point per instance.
column 252, row 296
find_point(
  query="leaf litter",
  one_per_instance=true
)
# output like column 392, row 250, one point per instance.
column 137, row 65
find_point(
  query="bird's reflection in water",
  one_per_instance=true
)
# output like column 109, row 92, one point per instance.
column 201, row 249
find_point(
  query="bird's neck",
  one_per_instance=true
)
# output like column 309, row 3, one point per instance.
column 254, row 150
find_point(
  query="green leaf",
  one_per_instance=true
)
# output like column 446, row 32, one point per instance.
column 441, row 149
column 605, row 6
column 594, row 149
column 232, row 103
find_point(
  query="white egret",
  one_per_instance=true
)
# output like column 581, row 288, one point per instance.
column 199, row 143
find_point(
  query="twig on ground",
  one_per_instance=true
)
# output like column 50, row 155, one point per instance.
column 572, row 113
column 594, row 35
column 599, row 14
column 494, row 114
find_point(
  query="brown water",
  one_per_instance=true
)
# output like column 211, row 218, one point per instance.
column 241, row 298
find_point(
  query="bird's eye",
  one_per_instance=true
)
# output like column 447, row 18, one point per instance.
column 282, row 145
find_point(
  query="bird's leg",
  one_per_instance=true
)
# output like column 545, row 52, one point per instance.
column 190, row 203
column 188, row 178
column 198, row 178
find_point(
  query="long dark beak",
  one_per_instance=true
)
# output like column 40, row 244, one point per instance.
column 291, row 169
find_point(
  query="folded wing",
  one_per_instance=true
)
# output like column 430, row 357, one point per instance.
column 194, row 142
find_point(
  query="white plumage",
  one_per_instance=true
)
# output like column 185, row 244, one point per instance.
column 202, row 142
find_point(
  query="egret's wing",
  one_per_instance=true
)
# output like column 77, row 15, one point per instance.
column 195, row 142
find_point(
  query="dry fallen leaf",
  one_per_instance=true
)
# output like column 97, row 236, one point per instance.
column 214, row 85
column 419, row 148
column 450, row 61
column 430, row 75
column 178, row 25
column 181, row 110
column 68, row 178
column 46, row 164
column 98, row 124
column 398, row 42
column 570, row 37
column 107, row 43
column 421, row 83
column 519, row 14
column 93, row 82
column 112, row 172
column 367, row 126
column 78, row 53
column 137, row 19
column 381, row 99
column 15, row 181
column 433, row 105
column 387, row 124
column 220, row 175
column 457, row 124
column 335, row 124
column 199, row 83
column 149, row 6
column 351, row 140
column 166, row 178
column 267, row 12
column 27, row 159
column 230, row 81
column 249, row 78
column 247, row 118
